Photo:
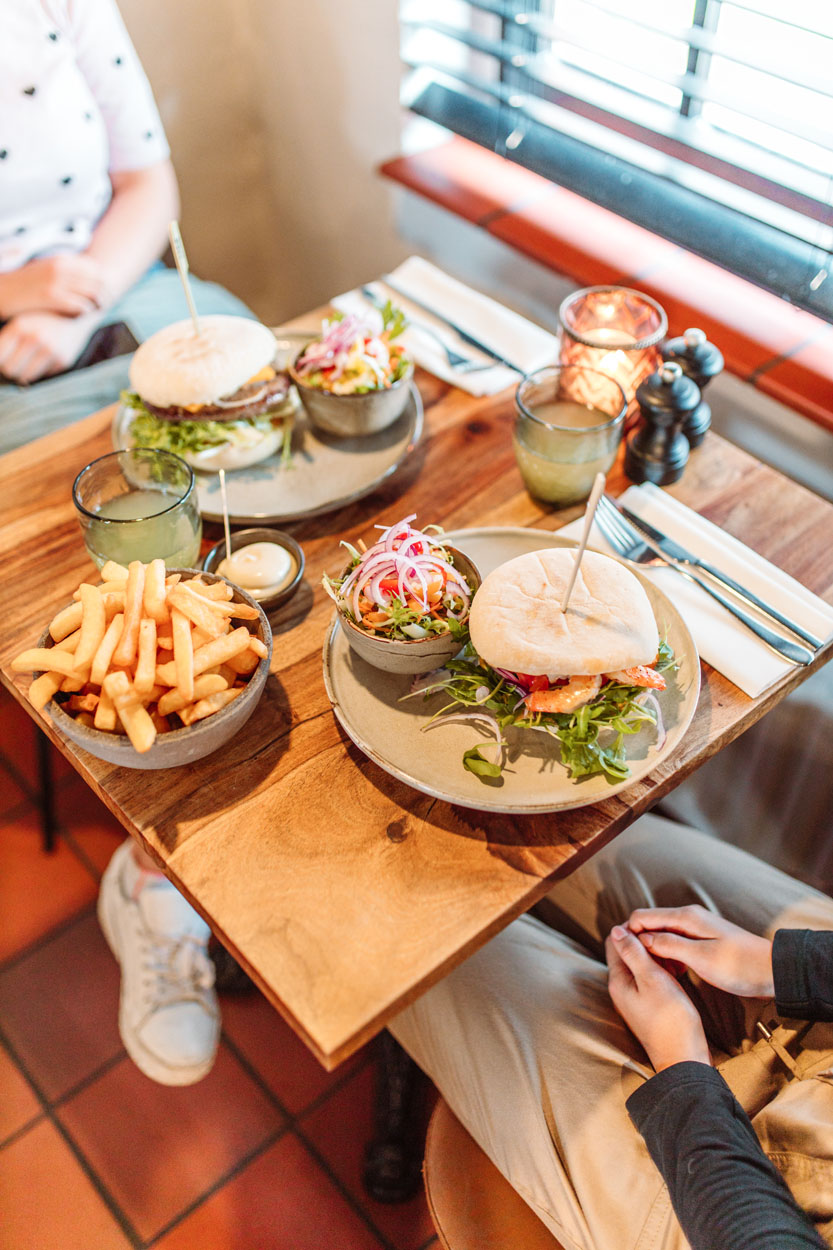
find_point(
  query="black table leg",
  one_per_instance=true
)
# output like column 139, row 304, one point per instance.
column 46, row 791
column 393, row 1159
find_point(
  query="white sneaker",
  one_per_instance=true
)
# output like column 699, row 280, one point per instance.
column 168, row 1015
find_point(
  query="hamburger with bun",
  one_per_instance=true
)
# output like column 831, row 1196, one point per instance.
column 214, row 398
column 588, row 676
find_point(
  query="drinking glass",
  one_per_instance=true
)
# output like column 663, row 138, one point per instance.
column 568, row 426
column 139, row 505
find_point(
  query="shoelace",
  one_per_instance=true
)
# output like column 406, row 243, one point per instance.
column 180, row 970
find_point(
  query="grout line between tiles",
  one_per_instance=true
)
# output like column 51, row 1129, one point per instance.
column 89, row 1079
column 239, row 1167
column 22, row 1131
column 295, row 1125
column 11, row 961
column 78, row 1154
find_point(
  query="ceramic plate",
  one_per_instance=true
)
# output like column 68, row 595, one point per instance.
column 392, row 733
column 326, row 472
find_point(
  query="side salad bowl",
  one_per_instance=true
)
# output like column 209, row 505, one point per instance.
column 355, row 379
column 411, row 656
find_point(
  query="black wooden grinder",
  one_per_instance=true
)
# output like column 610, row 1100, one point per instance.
column 657, row 450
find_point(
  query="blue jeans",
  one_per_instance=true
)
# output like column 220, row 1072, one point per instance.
column 29, row 412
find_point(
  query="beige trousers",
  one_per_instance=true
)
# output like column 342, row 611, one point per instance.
column 525, row 1046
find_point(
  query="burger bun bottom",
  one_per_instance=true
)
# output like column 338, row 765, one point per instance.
column 230, row 456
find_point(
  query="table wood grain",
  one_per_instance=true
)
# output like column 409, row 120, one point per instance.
column 341, row 891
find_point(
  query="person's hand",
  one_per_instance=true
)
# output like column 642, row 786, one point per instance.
column 718, row 951
column 71, row 284
column 34, row 345
column 653, row 1005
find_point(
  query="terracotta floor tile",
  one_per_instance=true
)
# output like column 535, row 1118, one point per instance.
column 340, row 1129
column 37, row 891
column 46, row 1201
column 59, row 1007
column 18, row 1102
column 281, row 1058
column 282, row 1201
column 158, row 1149
column 92, row 826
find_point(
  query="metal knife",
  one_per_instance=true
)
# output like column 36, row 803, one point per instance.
column 673, row 551
column 452, row 325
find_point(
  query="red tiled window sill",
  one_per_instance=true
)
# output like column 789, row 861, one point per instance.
column 778, row 348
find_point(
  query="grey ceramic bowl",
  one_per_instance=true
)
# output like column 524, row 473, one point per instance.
column 192, row 742
column 243, row 538
column 416, row 655
column 351, row 416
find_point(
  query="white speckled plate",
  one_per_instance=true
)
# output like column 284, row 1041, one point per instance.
column 367, row 703
column 326, row 472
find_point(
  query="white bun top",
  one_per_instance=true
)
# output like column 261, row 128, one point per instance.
column 516, row 620
column 175, row 366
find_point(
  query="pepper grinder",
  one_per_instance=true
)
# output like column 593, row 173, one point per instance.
column 657, row 450
column 701, row 361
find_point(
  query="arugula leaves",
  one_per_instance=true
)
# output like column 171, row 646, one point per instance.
column 592, row 738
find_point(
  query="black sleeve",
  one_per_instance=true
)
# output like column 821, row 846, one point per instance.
column 724, row 1190
column 802, row 968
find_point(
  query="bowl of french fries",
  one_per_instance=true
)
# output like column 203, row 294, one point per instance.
column 153, row 667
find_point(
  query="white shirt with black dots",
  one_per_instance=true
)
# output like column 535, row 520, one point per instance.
column 75, row 106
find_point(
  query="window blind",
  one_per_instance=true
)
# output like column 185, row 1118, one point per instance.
column 709, row 122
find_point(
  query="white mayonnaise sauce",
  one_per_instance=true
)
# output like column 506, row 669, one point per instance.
column 261, row 568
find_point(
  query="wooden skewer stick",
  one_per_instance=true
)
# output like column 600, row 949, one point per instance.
column 183, row 269
column 226, row 526
column 592, row 502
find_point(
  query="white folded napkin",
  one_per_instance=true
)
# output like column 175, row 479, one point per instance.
column 722, row 640
column 515, row 338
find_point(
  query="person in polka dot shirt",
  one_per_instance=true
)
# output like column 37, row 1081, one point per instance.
column 87, row 190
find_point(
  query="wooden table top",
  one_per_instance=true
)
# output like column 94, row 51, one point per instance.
column 343, row 892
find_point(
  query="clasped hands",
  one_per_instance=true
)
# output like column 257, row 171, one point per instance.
column 48, row 306
column 643, row 957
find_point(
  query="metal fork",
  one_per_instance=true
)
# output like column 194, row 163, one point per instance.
column 628, row 544
column 462, row 364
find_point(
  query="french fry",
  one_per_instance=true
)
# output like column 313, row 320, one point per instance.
column 199, row 637
column 172, row 579
column 70, row 642
column 131, row 712
column 44, row 659
column 112, row 572
column 145, row 674
column 206, row 684
column 73, row 683
column 93, row 625
column 83, row 702
column 113, row 603
column 211, row 590
column 108, row 588
column 85, row 718
column 43, row 688
column 125, row 652
column 104, row 654
column 208, row 706
column 155, row 605
column 198, row 610
column 244, row 663
column 105, row 713
column 165, row 637
column 161, row 723
column 231, row 608
column 183, row 654
column 260, row 649
column 66, row 621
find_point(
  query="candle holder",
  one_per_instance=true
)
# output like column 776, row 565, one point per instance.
column 615, row 330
